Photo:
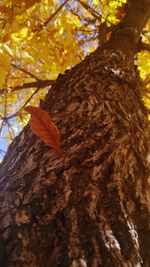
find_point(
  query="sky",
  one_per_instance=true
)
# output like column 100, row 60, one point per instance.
column 4, row 143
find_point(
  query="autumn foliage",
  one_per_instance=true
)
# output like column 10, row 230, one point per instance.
column 41, row 38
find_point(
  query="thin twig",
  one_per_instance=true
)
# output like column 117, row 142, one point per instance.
column 75, row 14
column 93, row 12
column 25, row 71
column 29, row 99
column 82, row 42
column 5, row 97
column 87, row 31
column 10, row 130
column 55, row 13
column 2, row 151
column 145, row 46
column 147, row 80
column 1, row 127
column 5, row 105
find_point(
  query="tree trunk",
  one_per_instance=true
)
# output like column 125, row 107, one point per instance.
column 87, row 204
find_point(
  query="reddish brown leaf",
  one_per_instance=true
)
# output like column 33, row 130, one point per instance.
column 43, row 126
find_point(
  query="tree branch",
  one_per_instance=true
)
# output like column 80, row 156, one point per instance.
column 29, row 99
column 39, row 84
column 142, row 46
column 126, row 34
column 10, row 130
column 147, row 81
column 94, row 13
column 1, row 127
column 25, row 71
column 2, row 151
column 55, row 13
column 137, row 15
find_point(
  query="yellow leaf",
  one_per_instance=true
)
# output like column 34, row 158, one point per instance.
column 23, row 33
column 8, row 49
column 27, row 57
column 3, row 76
column 17, row 52
column 61, row 30
column 95, row 2
column 4, row 61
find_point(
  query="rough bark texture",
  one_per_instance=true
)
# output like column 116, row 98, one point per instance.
column 86, row 205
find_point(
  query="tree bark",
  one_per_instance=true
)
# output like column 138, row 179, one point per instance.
column 87, row 204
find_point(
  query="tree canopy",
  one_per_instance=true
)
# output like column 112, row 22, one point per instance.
column 85, row 201
column 41, row 38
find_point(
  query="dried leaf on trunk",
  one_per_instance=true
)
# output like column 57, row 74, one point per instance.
column 43, row 126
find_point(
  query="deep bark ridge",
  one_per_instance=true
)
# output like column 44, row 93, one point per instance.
column 86, row 205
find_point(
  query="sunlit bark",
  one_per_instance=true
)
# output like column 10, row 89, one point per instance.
column 85, row 205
